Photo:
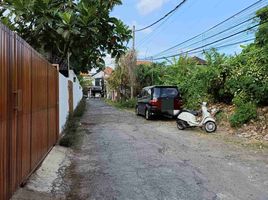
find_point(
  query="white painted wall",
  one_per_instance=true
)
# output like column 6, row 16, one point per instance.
column 78, row 93
column 64, row 97
column 63, row 100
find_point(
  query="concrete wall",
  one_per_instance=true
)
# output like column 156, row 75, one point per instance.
column 77, row 89
column 78, row 93
column 64, row 96
column 63, row 100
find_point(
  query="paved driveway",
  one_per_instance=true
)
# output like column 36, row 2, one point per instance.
column 125, row 157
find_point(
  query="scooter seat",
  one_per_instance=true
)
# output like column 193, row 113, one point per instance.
column 195, row 113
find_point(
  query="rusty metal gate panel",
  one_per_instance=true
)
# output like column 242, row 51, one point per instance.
column 28, row 110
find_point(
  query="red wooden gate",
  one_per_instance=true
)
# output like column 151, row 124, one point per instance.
column 28, row 110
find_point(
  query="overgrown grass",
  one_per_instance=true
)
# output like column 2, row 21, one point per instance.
column 71, row 135
column 123, row 104
column 243, row 114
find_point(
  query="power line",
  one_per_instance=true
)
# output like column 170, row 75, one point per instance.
column 157, row 30
column 204, row 50
column 165, row 16
column 248, row 21
column 223, row 31
column 245, row 9
column 224, row 46
column 237, row 33
column 146, row 38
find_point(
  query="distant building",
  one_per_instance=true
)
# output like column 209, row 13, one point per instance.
column 199, row 61
column 99, row 82
column 143, row 62
column 107, row 72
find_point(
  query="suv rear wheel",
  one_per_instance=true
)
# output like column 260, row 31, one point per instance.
column 147, row 114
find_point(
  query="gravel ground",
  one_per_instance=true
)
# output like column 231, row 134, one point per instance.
column 125, row 157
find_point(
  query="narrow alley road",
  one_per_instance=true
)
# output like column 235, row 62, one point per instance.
column 125, row 157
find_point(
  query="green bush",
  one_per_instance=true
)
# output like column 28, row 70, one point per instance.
column 123, row 104
column 130, row 103
column 243, row 114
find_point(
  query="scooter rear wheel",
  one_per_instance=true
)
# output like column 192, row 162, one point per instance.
column 210, row 127
column 180, row 125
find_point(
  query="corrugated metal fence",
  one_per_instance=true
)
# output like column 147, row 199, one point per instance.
column 28, row 110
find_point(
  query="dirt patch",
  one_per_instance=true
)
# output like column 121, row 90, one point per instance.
column 255, row 130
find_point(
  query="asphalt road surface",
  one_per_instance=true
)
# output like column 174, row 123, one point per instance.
column 125, row 157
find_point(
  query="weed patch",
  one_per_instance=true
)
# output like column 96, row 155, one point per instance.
column 71, row 134
column 243, row 114
column 127, row 104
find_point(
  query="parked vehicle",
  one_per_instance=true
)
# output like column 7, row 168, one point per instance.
column 96, row 91
column 159, row 100
column 188, row 119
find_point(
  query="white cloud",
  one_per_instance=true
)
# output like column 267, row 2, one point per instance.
column 147, row 6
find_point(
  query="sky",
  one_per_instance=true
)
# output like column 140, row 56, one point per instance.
column 194, row 17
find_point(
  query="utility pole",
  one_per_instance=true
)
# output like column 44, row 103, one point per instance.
column 133, row 38
column 152, row 71
column 132, row 65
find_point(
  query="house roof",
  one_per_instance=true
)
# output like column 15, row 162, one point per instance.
column 108, row 71
column 143, row 62
column 199, row 60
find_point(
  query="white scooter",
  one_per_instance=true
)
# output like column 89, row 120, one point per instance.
column 188, row 119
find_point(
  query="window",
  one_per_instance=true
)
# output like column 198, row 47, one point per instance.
column 156, row 93
column 165, row 92
column 169, row 92
column 147, row 93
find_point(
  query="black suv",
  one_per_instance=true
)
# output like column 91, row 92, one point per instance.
column 159, row 100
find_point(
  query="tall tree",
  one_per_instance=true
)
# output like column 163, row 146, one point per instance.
column 58, row 29
column 129, row 61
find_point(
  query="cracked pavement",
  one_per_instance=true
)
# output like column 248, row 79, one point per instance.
column 125, row 157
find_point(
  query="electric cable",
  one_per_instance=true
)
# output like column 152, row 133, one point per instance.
column 232, row 35
column 158, row 29
column 162, row 18
column 204, row 50
column 213, row 27
column 221, row 32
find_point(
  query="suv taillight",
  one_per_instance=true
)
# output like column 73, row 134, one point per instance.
column 177, row 103
column 155, row 102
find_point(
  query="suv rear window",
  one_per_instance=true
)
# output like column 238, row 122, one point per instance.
column 165, row 92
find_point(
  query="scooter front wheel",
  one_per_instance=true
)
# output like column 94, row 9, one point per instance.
column 210, row 127
column 180, row 125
